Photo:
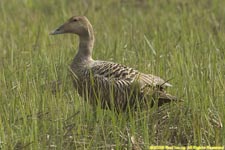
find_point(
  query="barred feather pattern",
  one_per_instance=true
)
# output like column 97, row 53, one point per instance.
column 116, row 86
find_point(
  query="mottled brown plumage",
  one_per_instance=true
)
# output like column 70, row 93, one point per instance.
column 106, row 83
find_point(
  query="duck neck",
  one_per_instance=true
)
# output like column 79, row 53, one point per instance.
column 85, row 45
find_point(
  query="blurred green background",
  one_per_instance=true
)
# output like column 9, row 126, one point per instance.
column 182, row 40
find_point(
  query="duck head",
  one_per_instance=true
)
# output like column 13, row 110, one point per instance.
column 77, row 25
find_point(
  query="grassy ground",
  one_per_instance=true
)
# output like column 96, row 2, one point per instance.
column 180, row 39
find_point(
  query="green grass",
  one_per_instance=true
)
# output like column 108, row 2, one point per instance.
column 180, row 39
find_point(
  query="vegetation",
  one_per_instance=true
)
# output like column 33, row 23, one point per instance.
column 181, row 40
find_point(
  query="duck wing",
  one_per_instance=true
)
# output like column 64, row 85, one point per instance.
column 113, row 72
column 107, row 81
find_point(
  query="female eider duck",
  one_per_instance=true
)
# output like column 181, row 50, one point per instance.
column 109, row 84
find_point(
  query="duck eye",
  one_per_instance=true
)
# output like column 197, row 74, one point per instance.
column 74, row 20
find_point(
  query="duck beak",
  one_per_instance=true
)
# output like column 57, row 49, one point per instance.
column 59, row 30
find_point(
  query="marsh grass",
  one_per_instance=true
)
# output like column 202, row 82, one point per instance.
column 178, row 40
